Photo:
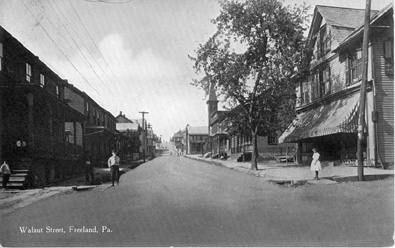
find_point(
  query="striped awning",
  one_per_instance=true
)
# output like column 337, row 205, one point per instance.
column 339, row 116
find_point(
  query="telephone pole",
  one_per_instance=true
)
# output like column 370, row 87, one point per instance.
column 143, row 134
column 361, row 122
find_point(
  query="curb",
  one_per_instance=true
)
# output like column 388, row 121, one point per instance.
column 366, row 178
column 297, row 182
column 83, row 188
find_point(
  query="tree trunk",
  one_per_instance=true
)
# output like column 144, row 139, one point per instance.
column 254, row 155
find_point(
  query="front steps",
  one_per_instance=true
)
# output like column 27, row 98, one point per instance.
column 19, row 178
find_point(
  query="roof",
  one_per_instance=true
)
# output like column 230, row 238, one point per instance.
column 343, row 20
column 123, row 119
column 343, row 17
column 197, row 130
column 359, row 31
column 122, row 127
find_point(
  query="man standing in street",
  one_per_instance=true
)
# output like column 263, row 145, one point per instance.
column 113, row 163
column 5, row 172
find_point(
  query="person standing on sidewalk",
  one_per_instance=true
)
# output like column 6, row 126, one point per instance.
column 113, row 163
column 5, row 172
column 315, row 164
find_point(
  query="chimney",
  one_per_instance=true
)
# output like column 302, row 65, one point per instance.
column 120, row 113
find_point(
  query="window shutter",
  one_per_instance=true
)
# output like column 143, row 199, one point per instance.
column 387, row 49
column 347, row 66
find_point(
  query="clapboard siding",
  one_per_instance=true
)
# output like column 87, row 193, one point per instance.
column 384, row 100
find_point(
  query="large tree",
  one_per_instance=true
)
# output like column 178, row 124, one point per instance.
column 252, row 59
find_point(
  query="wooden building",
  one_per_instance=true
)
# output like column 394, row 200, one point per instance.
column 328, row 110
column 195, row 139
column 34, row 139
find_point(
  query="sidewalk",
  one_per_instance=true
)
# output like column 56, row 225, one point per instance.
column 13, row 199
column 274, row 171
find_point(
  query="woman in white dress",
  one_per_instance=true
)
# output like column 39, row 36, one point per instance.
column 316, row 164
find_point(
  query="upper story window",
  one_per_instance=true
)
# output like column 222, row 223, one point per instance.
column 57, row 91
column 324, row 42
column 1, row 56
column 42, row 80
column 326, row 80
column 356, row 62
column 28, row 72
column 315, row 86
column 389, row 56
column 304, row 93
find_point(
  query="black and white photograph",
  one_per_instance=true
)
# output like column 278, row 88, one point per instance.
column 197, row 123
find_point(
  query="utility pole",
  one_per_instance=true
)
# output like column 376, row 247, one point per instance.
column 361, row 122
column 143, row 134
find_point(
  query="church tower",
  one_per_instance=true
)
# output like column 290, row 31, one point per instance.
column 212, row 104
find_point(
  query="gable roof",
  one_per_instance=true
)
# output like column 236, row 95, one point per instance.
column 343, row 17
column 359, row 32
column 343, row 20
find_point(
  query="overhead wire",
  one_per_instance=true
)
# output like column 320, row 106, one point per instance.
column 94, row 43
column 53, row 41
column 111, row 2
column 77, row 46
column 81, row 41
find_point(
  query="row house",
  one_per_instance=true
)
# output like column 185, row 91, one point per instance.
column 100, row 134
column 195, row 139
column 221, row 144
column 329, row 93
column 46, row 123
column 34, row 138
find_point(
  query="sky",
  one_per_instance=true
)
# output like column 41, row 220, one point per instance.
column 129, row 55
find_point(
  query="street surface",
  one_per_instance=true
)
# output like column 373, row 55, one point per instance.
column 175, row 201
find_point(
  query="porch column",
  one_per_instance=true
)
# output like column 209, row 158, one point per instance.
column 30, row 120
column 50, row 120
column 75, row 137
column 342, row 149
column 299, row 153
column 1, row 128
column 370, row 128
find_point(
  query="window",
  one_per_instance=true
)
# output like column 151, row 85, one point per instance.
column 324, row 42
column 42, row 80
column 1, row 56
column 28, row 72
column 356, row 62
column 315, row 86
column 326, row 81
column 304, row 93
column 57, row 91
column 272, row 138
column 389, row 56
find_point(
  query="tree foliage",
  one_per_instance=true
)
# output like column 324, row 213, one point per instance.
column 257, row 49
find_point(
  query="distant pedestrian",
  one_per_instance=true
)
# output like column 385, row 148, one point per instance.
column 88, row 168
column 113, row 163
column 316, row 164
column 5, row 172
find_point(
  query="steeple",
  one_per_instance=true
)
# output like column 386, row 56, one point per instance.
column 212, row 104
column 212, row 96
